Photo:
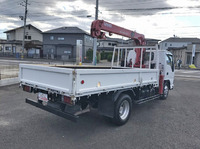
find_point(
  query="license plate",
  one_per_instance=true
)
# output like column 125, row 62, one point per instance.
column 42, row 97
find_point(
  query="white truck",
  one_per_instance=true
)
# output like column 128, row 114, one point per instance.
column 68, row 91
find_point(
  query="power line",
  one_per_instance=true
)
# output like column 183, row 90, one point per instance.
column 157, row 14
column 57, row 18
column 169, row 13
column 149, row 9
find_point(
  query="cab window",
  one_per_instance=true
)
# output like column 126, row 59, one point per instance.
column 169, row 60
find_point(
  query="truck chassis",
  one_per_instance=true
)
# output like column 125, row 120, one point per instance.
column 72, row 90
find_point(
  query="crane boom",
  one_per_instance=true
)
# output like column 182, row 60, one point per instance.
column 100, row 25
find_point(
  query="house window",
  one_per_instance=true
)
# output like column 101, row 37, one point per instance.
column 114, row 44
column 189, row 58
column 61, row 38
column 8, row 37
column 170, row 44
column 87, row 39
column 8, row 48
column 109, row 44
column 51, row 37
column 165, row 44
column 28, row 37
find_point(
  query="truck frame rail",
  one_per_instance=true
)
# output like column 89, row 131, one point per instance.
column 60, row 113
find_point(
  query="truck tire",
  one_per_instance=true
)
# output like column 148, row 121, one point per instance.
column 165, row 91
column 122, row 110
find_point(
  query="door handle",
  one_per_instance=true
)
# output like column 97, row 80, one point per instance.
column 167, row 73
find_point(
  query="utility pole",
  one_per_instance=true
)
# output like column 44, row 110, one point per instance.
column 25, row 16
column 193, row 53
column 95, row 39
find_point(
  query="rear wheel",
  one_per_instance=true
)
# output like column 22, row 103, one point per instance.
column 165, row 91
column 123, row 108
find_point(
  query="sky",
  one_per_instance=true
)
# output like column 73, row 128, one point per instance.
column 157, row 19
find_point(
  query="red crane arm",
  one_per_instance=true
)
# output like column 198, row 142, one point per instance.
column 99, row 25
column 139, row 39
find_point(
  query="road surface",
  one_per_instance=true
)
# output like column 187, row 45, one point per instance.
column 164, row 124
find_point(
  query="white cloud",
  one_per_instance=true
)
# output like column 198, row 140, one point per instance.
column 145, row 17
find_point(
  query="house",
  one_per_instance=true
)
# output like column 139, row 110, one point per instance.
column 13, row 45
column 181, row 48
column 60, row 43
column 1, row 45
column 185, row 54
column 176, row 42
column 109, row 43
column 151, row 42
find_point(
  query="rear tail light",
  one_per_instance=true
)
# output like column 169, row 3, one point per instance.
column 67, row 99
column 27, row 88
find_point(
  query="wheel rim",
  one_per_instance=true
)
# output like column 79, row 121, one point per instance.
column 166, row 90
column 124, row 109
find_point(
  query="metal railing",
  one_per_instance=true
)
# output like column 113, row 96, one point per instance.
column 123, row 52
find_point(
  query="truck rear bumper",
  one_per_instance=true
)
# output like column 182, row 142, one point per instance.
column 52, row 110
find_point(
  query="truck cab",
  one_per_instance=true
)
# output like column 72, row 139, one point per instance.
column 166, row 64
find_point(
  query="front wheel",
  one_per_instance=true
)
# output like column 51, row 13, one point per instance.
column 123, row 108
column 165, row 91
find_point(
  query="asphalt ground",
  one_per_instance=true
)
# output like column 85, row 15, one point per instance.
column 161, row 124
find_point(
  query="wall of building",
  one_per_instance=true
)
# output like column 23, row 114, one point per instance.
column 87, row 44
column 179, row 54
column 13, row 45
column 197, row 54
column 190, row 46
column 197, row 62
column 108, row 44
column 53, row 39
column 11, row 49
column 64, row 45
column 166, row 45
column 11, row 35
column 34, row 33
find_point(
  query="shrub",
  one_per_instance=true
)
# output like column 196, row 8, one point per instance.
column 109, row 57
column 89, row 55
column 104, row 55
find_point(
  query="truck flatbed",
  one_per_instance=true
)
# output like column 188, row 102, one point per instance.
column 80, row 81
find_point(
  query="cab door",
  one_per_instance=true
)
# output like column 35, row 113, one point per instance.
column 169, row 69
